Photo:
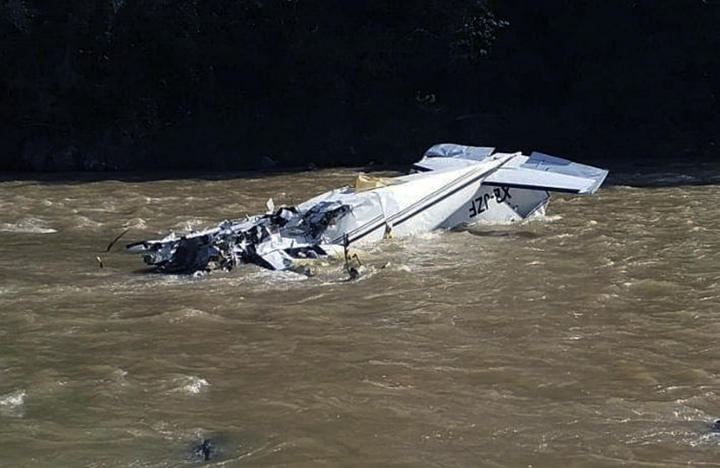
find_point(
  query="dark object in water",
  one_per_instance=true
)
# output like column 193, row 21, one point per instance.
column 715, row 427
column 205, row 450
column 116, row 239
column 189, row 256
column 352, row 271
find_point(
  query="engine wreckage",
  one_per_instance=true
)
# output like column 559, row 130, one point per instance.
column 452, row 185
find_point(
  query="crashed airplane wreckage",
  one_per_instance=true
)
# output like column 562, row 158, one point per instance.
column 452, row 185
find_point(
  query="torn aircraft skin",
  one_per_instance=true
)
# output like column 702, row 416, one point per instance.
column 453, row 185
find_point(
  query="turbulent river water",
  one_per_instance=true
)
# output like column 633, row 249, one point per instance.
column 587, row 338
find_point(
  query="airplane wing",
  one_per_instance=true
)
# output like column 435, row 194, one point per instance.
column 536, row 172
column 544, row 172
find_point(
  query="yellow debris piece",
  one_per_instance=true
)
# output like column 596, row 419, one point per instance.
column 365, row 182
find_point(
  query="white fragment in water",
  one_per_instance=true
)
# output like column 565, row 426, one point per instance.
column 13, row 399
column 120, row 377
column 194, row 385
column 11, row 404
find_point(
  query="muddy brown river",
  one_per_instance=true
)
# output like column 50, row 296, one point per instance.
column 587, row 338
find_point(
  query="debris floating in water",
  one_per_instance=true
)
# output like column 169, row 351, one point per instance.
column 110, row 245
column 351, row 270
column 193, row 385
column 13, row 404
column 205, row 450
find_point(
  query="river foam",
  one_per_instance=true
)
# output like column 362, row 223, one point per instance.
column 28, row 226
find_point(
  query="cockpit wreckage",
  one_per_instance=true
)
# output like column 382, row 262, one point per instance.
column 451, row 186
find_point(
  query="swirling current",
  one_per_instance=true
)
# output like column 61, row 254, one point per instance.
column 587, row 338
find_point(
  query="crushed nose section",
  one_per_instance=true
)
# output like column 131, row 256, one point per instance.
column 271, row 241
column 324, row 214
column 177, row 255
column 190, row 255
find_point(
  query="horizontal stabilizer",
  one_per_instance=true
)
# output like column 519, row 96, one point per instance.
column 452, row 156
column 451, row 150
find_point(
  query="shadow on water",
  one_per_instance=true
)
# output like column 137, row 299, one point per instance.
column 663, row 174
column 145, row 271
column 76, row 178
column 503, row 233
column 635, row 173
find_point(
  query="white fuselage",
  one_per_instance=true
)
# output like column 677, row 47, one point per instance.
column 426, row 201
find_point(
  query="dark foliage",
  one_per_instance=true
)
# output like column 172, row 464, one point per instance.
column 214, row 84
